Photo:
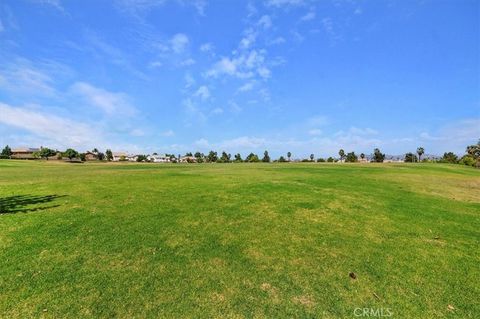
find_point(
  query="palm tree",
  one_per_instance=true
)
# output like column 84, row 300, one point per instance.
column 289, row 155
column 362, row 156
column 420, row 152
column 312, row 157
column 342, row 154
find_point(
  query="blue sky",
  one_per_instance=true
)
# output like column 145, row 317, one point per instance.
column 283, row 75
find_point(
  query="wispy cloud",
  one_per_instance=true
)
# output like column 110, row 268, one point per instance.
column 24, row 76
column 56, row 130
column 203, row 93
column 179, row 42
column 284, row 3
column 309, row 16
column 111, row 103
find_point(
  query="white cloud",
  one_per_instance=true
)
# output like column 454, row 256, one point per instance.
column 265, row 22
column 54, row 129
column 156, row 64
column 309, row 16
column 109, row 102
column 315, row 132
column 22, row 76
column 217, row 111
column 137, row 132
column 249, row 38
column 206, row 47
column 168, row 133
column 277, row 40
column 241, row 66
column 54, row 3
column 179, row 42
column 284, row 3
column 187, row 62
column 358, row 11
column 193, row 112
column 203, row 92
column 246, row 87
column 189, row 80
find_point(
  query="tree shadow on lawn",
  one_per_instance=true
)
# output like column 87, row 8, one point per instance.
column 19, row 203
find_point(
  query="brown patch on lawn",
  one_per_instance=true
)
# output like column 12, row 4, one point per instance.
column 304, row 300
column 218, row 297
column 272, row 292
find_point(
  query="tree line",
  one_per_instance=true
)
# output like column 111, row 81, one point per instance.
column 471, row 157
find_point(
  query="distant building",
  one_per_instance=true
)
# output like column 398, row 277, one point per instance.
column 90, row 156
column 362, row 160
column 188, row 159
column 24, row 153
column 159, row 158
column 117, row 156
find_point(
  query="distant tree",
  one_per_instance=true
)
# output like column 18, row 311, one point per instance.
column 330, row 159
column 289, row 155
column 100, row 156
column 199, row 157
column 320, row 160
column 282, row 159
column 45, row 152
column 351, row 157
column 95, row 151
column 123, row 158
column 410, row 158
column 82, row 156
column 238, row 158
column 142, row 158
column 188, row 154
column 378, row 157
column 449, row 157
column 420, row 152
column 155, row 153
column 6, row 152
column 109, row 155
column 474, row 150
column 312, row 157
column 362, row 156
column 70, row 153
column 341, row 153
column 212, row 157
column 266, row 157
column 225, row 158
column 252, row 158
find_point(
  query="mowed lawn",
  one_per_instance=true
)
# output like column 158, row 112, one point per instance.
column 114, row 240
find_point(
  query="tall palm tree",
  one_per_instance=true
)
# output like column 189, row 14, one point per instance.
column 420, row 152
column 342, row 154
column 312, row 157
column 289, row 155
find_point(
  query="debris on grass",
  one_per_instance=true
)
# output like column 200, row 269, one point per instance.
column 376, row 296
column 450, row 307
column 352, row 275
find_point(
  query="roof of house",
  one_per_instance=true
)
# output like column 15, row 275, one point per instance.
column 25, row 150
column 118, row 154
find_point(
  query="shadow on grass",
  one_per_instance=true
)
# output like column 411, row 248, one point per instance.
column 20, row 203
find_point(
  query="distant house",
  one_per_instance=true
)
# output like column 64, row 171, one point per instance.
column 24, row 153
column 132, row 158
column 117, row 156
column 362, row 160
column 159, row 158
column 188, row 159
column 90, row 156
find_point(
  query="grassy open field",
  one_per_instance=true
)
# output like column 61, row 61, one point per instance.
column 238, row 240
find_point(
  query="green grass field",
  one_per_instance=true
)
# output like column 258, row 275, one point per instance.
column 238, row 240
